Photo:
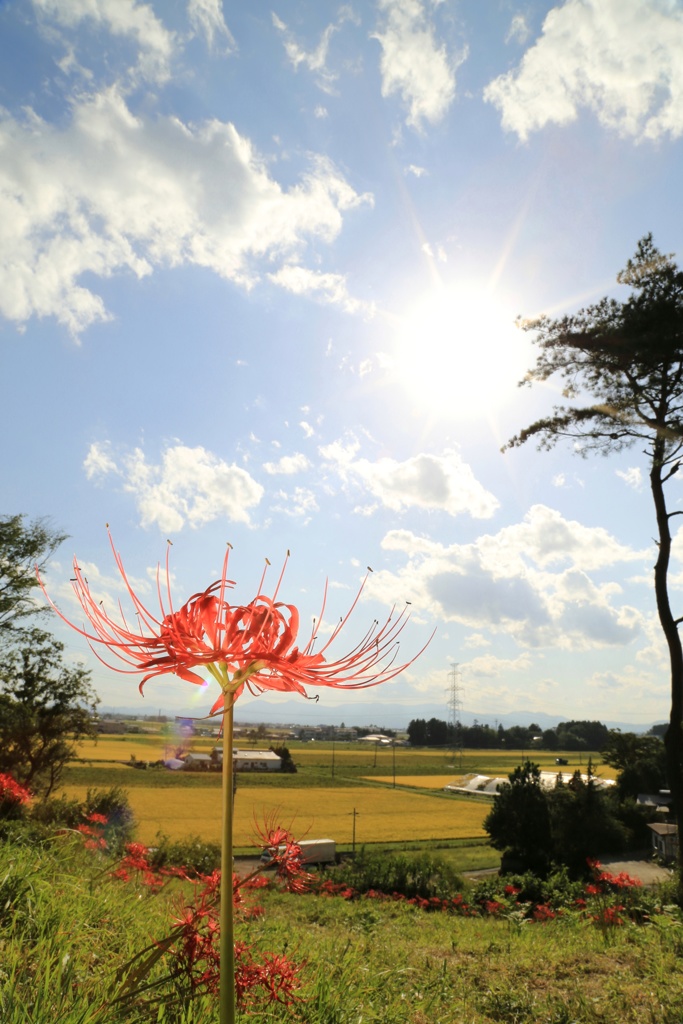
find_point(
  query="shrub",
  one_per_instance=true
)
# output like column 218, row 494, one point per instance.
column 421, row 875
column 193, row 853
column 112, row 804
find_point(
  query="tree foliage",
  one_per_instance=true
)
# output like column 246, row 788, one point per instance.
column 45, row 707
column 640, row 760
column 537, row 827
column 579, row 735
column 519, row 821
column 621, row 364
column 23, row 546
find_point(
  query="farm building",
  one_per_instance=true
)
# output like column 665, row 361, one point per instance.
column 664, row 840
column 252, row 760
column 203, row 760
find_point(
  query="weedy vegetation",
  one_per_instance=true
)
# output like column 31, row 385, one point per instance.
column 91, row 936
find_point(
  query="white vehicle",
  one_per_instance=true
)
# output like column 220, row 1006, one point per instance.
column 313, row 851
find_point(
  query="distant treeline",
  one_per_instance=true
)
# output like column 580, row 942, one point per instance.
column 581, row 735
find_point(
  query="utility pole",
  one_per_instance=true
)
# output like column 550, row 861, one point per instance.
column 353, row 843
column 455, row 710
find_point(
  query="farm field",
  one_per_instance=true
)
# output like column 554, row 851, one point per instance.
column 383, row 815
column 318, row 800
column 356, row 759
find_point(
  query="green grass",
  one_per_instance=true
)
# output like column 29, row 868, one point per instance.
column 65, row 928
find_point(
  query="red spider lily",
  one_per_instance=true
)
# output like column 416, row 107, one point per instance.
column 286, row 855
column 252, row 645
column 11, row 791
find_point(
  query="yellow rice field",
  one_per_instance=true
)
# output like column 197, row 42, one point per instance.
column 144, row 748
column 383, row 815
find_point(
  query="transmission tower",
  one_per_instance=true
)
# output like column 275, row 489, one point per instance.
column 455, row 709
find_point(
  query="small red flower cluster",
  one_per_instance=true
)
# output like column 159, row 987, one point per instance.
column 276, row 976
column 93, row 831
column 12, row 792
column 135, row 865
column 285, row 856
column 542, row 913
column 609, row 917
column 194, row 943
column 604, row 881
column 454, row 905
column 197, row 952
column 607, row 890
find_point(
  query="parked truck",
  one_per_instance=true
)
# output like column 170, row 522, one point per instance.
column 313, row 851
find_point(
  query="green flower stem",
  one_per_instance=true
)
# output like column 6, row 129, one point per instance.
column 227, row 922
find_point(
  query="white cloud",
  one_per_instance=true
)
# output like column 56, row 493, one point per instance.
column 124, row 18
column 439, row 255
column 417, row 172
column 519, row 30
column 412, row 63
column 299, row 504
column 632, row 476
column 475, row 640
column 439, row 482
column 489, row 666
column 546, row 538
column 288, row 464
column 620, row 59
column 307, row 429
column 108, row 589
column 206, row 16
column 510, row 583
column 190, row 486
column 316, row 59
column 631, row 687
column 111, row 192
column 330, row 289
column 98, row 462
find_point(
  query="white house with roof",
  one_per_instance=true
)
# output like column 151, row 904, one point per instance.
column 252, row 760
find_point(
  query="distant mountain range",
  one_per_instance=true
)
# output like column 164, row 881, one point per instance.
column 391, row 716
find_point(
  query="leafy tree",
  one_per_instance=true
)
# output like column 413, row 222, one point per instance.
column 640, row 760
column 437, row 733
column 23, row 545
column 287, row 760
column 584, row 822
column 622, row 368
column 550, row 740
column 45, row 706
column 417, row 732
column 582, row 735
column 519, row 821
column 480, row 737
column 517, row 737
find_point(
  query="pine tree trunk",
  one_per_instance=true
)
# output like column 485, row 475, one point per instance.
column 673, row 740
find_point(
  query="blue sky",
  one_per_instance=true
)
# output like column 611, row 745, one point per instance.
column 260, row 270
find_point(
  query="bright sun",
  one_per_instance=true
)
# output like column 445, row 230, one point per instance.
column 459, row 354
